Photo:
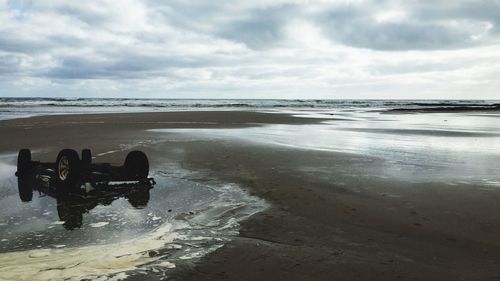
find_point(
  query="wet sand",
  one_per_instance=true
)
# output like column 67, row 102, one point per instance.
column 331, row 216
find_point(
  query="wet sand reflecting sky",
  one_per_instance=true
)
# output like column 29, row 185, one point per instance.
column 439, row 147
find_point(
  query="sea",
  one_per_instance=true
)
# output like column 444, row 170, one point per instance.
column 11, row 108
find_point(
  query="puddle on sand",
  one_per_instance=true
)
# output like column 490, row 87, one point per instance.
column 437, row 147
column 182, row 220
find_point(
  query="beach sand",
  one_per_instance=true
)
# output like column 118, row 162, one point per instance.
column 330, row 216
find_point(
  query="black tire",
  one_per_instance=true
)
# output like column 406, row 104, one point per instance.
column 24, row 165
column 68, row 169
column 139, row 199
column 25, row 187
column 136, row 166
column 86, row 158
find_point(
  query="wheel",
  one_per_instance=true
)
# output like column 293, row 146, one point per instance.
column 136, row 166
column 86, row 158
column 139, row 199
column 25, row 187
column 68, row 169
column 24, row 165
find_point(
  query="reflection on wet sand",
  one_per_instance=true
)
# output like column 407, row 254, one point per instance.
column 71, row 208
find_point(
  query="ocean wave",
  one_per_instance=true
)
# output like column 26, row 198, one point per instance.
column 448, row 108
column 47, row 103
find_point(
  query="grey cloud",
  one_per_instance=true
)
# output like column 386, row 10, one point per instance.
column 199, row 16
column 399, row 36
column 10, row 41
column 88, row 17
column 258, row 28
column 70, row 9
column 10, row 63
column 121, row 66
column 79, row 68
column 488, row 11
column 350, row 24
column 263, row 28
column 418, row 67
column 356, row 26
column 66, row 40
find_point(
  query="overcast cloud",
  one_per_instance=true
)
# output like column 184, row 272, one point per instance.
column 250, row 49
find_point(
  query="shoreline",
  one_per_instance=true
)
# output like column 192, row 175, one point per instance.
column 329, row 219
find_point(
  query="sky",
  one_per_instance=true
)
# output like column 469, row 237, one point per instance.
column 250, row 49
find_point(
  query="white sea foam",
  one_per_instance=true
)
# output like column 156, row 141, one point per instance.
column 84, row 262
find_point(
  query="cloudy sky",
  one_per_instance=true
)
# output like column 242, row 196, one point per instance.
column 250, row 49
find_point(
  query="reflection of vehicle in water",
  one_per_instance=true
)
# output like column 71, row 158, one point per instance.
column 71, row 208
column 79, row 185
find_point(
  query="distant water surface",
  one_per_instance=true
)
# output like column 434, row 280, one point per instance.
column 25, row 107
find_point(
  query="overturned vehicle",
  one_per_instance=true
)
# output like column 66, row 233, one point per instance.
column 79, row 185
